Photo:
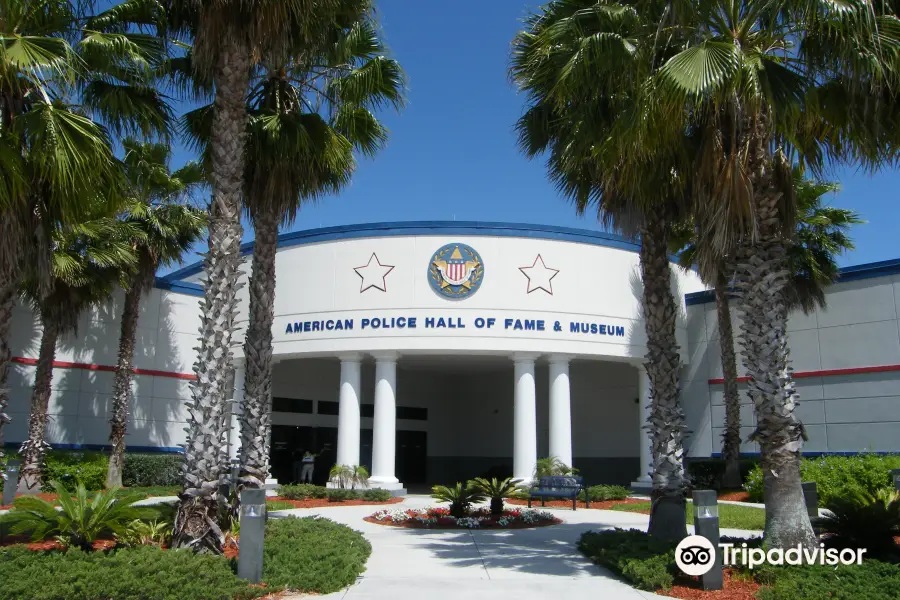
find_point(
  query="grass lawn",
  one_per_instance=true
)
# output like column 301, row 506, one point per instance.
column 731, row 516
column 278, row 505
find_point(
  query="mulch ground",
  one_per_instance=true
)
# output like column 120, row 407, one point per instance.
column 735, row 496
column 49, row 497
column 735, row 588
column 604, row 505
column 13, row 540
column 513, row 525
column 323, row 502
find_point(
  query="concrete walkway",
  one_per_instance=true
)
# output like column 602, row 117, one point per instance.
column 474, row 564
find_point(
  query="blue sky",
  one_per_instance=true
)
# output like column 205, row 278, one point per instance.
column 452, row 152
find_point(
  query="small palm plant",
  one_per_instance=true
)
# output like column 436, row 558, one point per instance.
column 349, row 475
column 79, row 521
column 461, row 497
column 863, row 520
column 551, row 466
column 496, row 490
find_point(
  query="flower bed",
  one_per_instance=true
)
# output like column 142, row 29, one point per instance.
column 439, row 518
column 323, row 502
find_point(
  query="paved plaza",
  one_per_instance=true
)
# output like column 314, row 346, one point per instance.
column 523, row 564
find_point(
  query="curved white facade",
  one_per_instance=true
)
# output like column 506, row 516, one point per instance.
column 537, row 294
column 538, row 355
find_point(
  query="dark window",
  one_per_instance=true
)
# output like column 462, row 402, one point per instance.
column 328, row 408
column 292, row 405
column 367, row 410
column 412, row 413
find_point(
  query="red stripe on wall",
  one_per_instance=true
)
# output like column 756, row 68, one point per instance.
column 826, row 373
column 58, row 364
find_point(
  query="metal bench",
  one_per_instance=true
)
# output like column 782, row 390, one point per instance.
column 559, row 487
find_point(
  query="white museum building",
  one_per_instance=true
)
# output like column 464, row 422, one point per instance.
column 433, row 352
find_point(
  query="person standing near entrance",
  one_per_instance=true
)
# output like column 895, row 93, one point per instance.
column 309, row 466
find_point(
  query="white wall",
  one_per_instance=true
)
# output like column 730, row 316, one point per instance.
column 79, row 405
column 595, row 284
column 842, row 413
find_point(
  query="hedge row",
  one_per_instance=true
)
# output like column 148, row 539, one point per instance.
column 312, row 555
column 127, row 574
column 649, row 564
column 90, row 467
column 837, row 476
column 306, row 491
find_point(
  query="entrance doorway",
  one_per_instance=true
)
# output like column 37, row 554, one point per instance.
column 290, row 441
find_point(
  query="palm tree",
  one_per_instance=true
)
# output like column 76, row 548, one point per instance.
column 167, row 230
column 88, row 260
column 297, row 154
column 53, row 155
column 820, row 236
column 229, row 37
column 578, row 62
column 760, row 84
column 307, row 115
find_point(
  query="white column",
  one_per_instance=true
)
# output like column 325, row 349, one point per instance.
column 643, row 432
column 384, row 435
column 525, row 419
column 237, row 400
column 348, row 411
column 560, row 410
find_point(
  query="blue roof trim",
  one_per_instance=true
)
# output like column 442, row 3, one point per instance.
column 400, row 228
column 699, row 297
column 881, row 268
column 105, row 447
column 180, row 287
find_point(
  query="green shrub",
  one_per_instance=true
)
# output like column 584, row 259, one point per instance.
column 461, row 497
column 313, row 554
column 601, row 493
column 79, row 521
column 706, row 474
column 125, row 574
column 376, row 495
column 864, row 521
column 349, row 475
column 303, row 491
column 341, row 494
column 70, row 468
column 837, row 476
column 648, row 563
column 496, row 490
column 551, row 466
column 872, row 580
column 160, row 469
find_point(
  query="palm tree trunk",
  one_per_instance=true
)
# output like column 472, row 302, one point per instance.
column 731, row 438
column 35, row 448
column 762, row 274
column 122, row 382
column 667, row 427
column 196, row 522
column 11, row 235
column 7, row 304
column 257, row 408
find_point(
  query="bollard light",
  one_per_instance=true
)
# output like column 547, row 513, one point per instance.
column 706, row 524
column 811, row 498
column 235, row 473
column 895, row 473
column 13, row 466
column 253, row 527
